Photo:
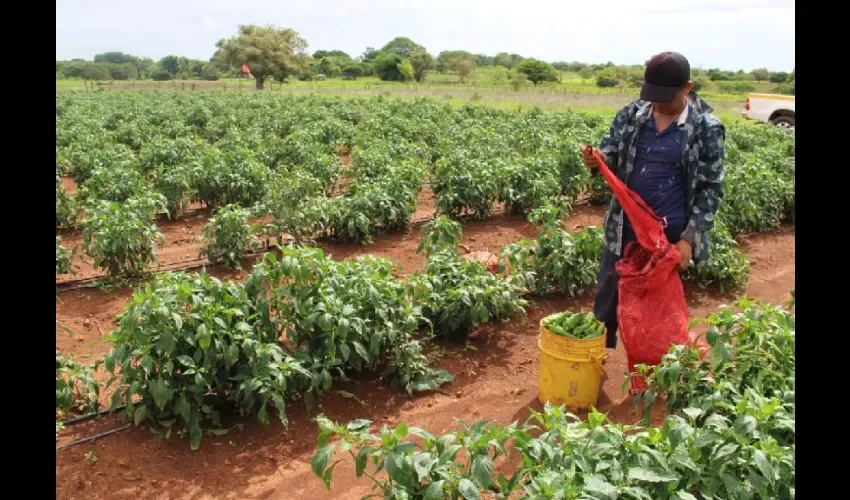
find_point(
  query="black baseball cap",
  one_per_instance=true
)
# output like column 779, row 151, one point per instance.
column 665, row 75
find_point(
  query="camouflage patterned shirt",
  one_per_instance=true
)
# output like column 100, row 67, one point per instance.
column 702, row 156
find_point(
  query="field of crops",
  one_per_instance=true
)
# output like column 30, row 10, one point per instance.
column 147, row 182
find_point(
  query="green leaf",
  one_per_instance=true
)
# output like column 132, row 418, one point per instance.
column 195, row 433
column 707, row 439
column 178, row 320
column 422, row 463
column 482, row 470
column 763, row 465
column 435, row 490
column 719, row 354
column 328, row 475
column 651, row 475
column 358, row 425
column 468, row 490
column 232, row 355
column 684, row 495
column 139, row 414
column 361, row 351
column 186, row 361
column 597, row 484
column 745, row 425
column 361, row 460
column 694, row 413
column 394, row 465
column 182, row 407
column 160, row 392
column 147, row 363
column 321, row 458
column 401, row 430
column 418, row 431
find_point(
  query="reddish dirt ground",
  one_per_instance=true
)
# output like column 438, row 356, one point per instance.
column 495, row 380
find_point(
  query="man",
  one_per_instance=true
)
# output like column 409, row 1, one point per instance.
column 668, row 148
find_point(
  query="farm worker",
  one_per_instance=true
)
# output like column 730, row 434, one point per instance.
column 668, row 148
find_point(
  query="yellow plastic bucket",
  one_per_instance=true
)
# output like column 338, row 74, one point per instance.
column 570, row 370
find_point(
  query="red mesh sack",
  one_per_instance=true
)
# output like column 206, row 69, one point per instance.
column 652, row 313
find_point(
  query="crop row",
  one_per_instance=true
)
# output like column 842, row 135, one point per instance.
column 730, row 434
column 187, row 343
column 298, row 322
column 134, row 155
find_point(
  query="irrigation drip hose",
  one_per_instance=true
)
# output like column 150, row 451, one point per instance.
column 74, row 284
column 77, row 420
column 92, row 438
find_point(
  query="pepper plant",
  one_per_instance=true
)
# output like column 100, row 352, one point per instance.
column 343, row 316
column 122, row 237
column 77, row 391
column 63, row 258
column 187, row 344
column 66, row 206
column 731, row 434
column 228, row 235
column 457, row 293
column 558, row 261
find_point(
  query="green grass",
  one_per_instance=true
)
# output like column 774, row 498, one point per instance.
column 570, row 93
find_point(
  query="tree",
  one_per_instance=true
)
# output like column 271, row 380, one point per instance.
column 402, row 46
column 268, row 51
column 95, row 71
column 421, row 61
column 509, row 61
column 576, row 67
column 386, row 66
column 517, row 79
column 321, row 54
column 484, row 60
column 159, row 74
column 700, row 83
column 779, row 77
column 446, row 55
column 368, row 59
column 352, row 70
column 760, row 74
column 586, row 73
column 717, row 75
column 538, row 71
column 370, row 54
column 607, row 78
column 170, row 64
column 329, row 66
column 122, row 71
column 463, row 66
column 406, row 70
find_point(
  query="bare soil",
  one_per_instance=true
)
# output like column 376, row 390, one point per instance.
column 495, row 380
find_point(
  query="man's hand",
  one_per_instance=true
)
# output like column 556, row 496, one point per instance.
column 587, row 157
column 687, row 253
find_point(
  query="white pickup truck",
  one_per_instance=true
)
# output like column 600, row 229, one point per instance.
column 770, row 108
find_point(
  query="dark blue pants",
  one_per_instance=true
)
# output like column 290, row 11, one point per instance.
column 605, row 303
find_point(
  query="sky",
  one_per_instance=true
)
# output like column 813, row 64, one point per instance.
column 727, row 34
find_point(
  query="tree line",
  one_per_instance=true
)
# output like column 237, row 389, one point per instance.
column 280, row 54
